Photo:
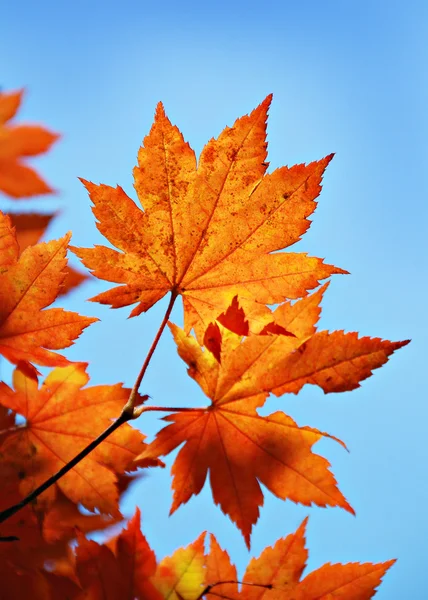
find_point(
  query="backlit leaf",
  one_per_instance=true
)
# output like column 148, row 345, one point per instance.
column 241, row 449
column 17, row 179
column 61, row 420
column 208, row 231
column 29, row 283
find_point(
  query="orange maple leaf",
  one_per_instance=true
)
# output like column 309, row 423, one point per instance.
column 17, row 142
column 43, row 536
column 182, row 575
column 276, row 575
column 30, row 228
column 125, row 568
column 61, row 420
column 241, row 448
column 208, row 232
column 28, row 284
column 190, row 574
column 122, row 574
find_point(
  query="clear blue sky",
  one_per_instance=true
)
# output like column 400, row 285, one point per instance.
column 347, row 77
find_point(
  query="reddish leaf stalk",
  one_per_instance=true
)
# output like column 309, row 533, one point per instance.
column 207, row 590
column 142, row 409
column 129, row 406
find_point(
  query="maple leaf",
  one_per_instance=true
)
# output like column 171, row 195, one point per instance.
column 61, row 420
column 238, row 447
column 43, row 537
column 125, row 568
column 28, row 284
column 190, row 574
column 30, row 227
column 17, row 179
column 207, row 232
column 276, row 575
column 280, row 566
column 182, row 575
column 122, row 574
column 37, row 528
column 220, row 569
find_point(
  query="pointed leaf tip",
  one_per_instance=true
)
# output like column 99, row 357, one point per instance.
column 160, row 110
column 9, row 104
column 234, row 318
column 88, row 184
column 264, row 106
column 268, row 100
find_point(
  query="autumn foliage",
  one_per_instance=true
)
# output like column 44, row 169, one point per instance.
column 213, row 231
column 17, row 142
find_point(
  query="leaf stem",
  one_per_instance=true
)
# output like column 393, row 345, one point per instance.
column 5, row 514
column 139, row 410
column 129, row 406
column 207, row 590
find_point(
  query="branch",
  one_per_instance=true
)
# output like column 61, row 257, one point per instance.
column 128, row 413
column 139, row 410
column 5, row 514
column 129, row 406
column 207, row 590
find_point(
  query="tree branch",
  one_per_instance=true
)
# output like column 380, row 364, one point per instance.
column 5, row 514
column 128, row 413
column 207, row 590
column 129, row 406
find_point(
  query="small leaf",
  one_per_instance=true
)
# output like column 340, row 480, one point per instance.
column 234, row 319
column 182, row 575
column 29, row 283
column 18, row 180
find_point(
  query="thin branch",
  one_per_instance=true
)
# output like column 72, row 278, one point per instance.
column 139, row 410
column 5, row 514
column 129, row 406
column 128, row 413
column 207, row 590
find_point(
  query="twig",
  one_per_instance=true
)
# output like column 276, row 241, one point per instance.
column 129, row 406
column 139, row 410
column 5, row 514
column 128, row 413
column 207, row 590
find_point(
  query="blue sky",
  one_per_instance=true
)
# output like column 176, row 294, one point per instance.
column 347, row 77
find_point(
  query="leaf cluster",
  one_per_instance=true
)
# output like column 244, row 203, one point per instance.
column 213, row 232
